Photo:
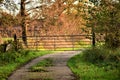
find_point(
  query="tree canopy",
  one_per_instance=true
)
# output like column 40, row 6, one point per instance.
column 102, row 15
column 105, row 19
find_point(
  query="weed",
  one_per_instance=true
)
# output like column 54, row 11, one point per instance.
column 41, row 65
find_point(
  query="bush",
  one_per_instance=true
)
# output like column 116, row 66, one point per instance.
column 97, row 55
column 102, row 57
column 14, row 46
column 9, row 56
column 113, row 40
column 3, row 47
column 94, row 55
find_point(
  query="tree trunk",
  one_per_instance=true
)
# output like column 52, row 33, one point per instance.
column 23, row 22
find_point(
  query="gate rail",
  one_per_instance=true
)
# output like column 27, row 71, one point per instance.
column 58, row 42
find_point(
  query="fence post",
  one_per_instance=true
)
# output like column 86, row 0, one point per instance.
column 93, row 37
column 15, row 41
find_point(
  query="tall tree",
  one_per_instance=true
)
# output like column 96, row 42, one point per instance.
column 23, row 22
column 106, row 17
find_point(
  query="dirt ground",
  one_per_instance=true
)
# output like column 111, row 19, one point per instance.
column 59, row 70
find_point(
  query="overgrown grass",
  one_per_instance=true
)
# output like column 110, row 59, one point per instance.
column 10, row 61
column 96, row 64
column 41, row 66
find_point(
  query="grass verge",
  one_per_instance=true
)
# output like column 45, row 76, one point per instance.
column 96, row 64
column 11, row 61
column 41, row 66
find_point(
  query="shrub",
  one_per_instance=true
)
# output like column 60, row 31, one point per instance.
column 112, row 40
column 3, row 47
column 98, row 55
column 94, row 55
column 9, row 56
column 14, row 46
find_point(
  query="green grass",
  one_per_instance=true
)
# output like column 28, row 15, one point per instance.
column 41, row 66
column 93, row 67
column 11, row 61
column 6, row 39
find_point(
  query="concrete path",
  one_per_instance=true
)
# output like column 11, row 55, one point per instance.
column 59, row 71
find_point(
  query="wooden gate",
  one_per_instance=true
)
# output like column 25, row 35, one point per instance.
column 59, row 42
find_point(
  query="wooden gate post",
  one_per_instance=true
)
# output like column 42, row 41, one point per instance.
column 93, row 37
column 15, row 42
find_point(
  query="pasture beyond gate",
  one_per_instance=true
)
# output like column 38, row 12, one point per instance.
column 59, row 42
